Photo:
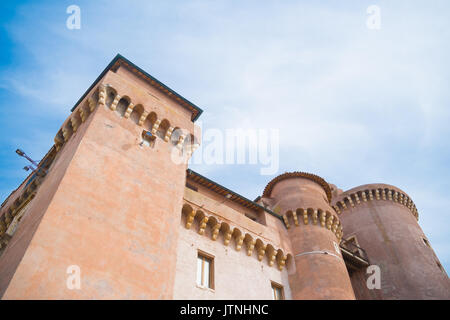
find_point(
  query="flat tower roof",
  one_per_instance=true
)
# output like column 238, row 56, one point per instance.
column 120, row 60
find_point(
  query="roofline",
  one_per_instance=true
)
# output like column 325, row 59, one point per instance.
column 119, row 57
column 297, row 174
column 189, row 171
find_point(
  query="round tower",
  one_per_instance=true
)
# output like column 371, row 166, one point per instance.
column 315, row 231
column 383, row 220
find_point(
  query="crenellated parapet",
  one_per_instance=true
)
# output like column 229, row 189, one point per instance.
column 11, row 209
column 213, row 226
column 121, row 103
column 10, row 214
column 153, row 126
column 315, row 217
column 79, row 116
column 353, row 198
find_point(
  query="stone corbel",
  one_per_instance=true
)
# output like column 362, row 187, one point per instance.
column 286, row 222
column 261, row 252
column 58, row 142
column 350, row 201
column 282, row 262
column 168, row 134
column 314, row 217
column 91, row 102
column 156, row 126
column 294, row 215
column 305, row 217
column 364, row 197
column 250, row 247
column 322, row 218
column 239, row 242
column 8, row 218
column 180, row 141
column 83, row 114
column 102, row 95
column 75, row 123
column 190, row 219
column 335, row 225
column 128, row 111
column 215, row 231
column 377, row 194
column 115, row 102
column 227, row 237
column 2, row 227
column 390, row 195
column 66, row 134
column 340, row 232
column 142, row 118
column 201, row 230
column 272, row 258
column 336, row 208
column 329, row 222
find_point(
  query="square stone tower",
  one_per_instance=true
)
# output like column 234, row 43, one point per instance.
column 108, row 207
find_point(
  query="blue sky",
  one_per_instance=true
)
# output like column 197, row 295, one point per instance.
column 353, row 105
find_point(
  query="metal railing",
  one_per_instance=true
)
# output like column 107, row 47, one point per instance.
column 354, row 249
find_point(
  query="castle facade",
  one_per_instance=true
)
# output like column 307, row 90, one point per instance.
column 109, row 214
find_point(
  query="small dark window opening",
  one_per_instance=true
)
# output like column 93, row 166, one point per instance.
column 277, row 291
column 148, row 138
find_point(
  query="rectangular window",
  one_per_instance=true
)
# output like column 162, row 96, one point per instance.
column 205, row 270
column 277, row 291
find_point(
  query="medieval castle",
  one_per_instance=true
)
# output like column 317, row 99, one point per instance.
column 109, row 205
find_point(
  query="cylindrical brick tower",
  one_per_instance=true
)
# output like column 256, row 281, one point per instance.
column 382, row 219
column 315, row 230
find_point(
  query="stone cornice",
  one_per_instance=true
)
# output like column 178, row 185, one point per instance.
column 297, row 174
column 238, row 235
column 316, row 217
column 385, row 193
column 157, row 127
